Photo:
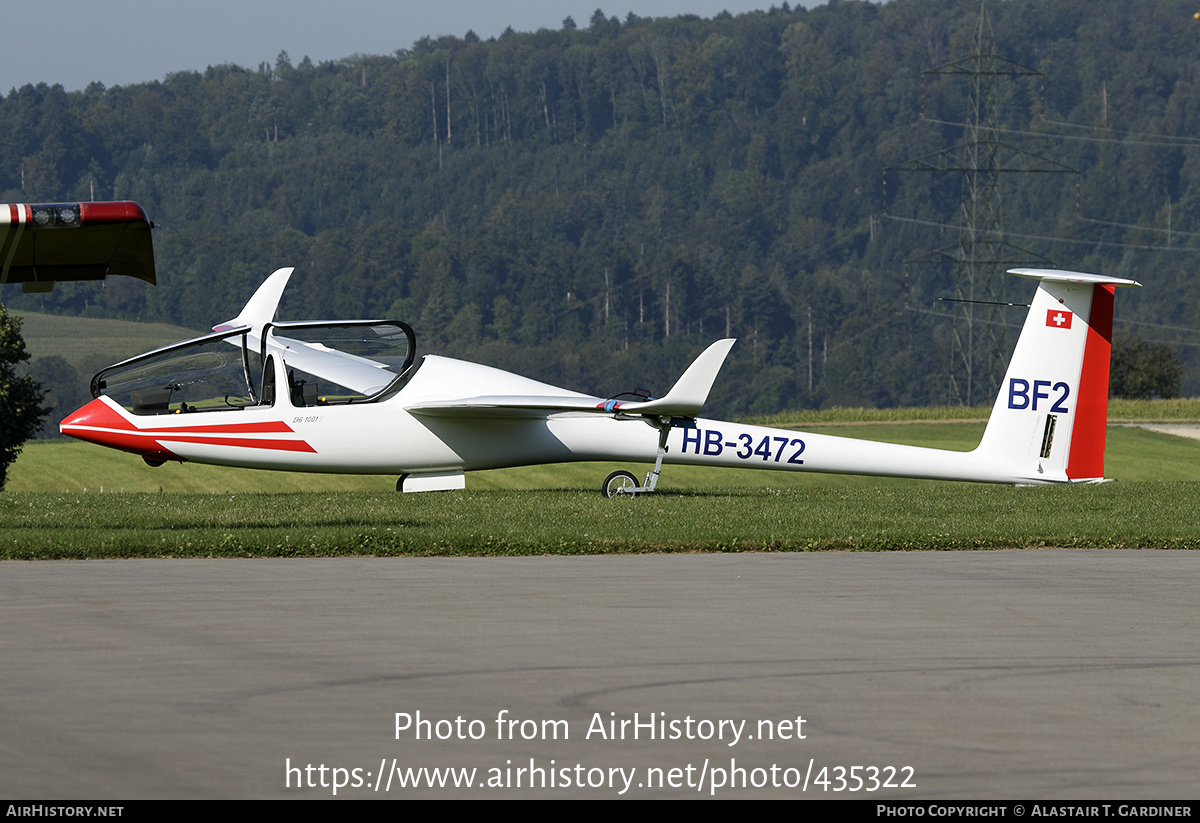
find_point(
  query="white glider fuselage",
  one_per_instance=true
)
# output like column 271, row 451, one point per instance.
column 386, row 438
column 436, row 419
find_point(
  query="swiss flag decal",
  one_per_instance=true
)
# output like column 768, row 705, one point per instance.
column 1058, row 318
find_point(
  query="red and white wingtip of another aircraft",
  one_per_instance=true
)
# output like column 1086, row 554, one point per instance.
column 44, row 243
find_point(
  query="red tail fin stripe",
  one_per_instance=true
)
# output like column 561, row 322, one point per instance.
column 1086, row 458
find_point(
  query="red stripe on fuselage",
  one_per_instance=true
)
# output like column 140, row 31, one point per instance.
column 240, row 442
column 276, row 427
column 98, row 422
column 1091, row 411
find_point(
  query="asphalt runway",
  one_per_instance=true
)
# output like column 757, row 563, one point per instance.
column 1008, row 674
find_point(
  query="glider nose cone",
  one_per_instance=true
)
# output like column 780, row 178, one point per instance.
column 100, row 423
column 88, row 422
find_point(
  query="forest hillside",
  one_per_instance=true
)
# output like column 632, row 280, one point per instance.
column 593, row 205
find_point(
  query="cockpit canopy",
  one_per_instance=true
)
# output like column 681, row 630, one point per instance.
column 323, row 363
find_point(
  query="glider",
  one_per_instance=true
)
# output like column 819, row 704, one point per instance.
column 43, row 243
column 350, row 397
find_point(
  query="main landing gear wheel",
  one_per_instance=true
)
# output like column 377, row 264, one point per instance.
column 617, row 481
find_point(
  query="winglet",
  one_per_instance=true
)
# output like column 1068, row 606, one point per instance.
column 690, row 391
column 260, row 309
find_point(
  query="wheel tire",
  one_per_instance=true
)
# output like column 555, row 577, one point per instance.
column 616, row 481
column 400, row 482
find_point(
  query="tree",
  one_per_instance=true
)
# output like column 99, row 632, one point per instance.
column 21, row 409
column 64, row 389
column 1141, row 369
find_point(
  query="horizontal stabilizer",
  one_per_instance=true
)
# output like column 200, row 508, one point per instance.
column 1060, row 276
column 43, row 243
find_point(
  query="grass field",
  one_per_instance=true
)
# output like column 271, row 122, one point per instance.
column 75, row 338
column 67, row 499
column 882, row 516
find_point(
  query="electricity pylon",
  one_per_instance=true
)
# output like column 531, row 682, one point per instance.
column 980, row 255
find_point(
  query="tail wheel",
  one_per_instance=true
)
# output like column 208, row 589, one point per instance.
column 617, row 481
column 400, row 483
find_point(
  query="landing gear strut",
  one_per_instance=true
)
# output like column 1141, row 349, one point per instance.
column 623, row 483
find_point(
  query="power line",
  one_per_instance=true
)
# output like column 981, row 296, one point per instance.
column 948, row 316
column 1160, row 326
column 1193, row 140
column 1169, row 232
column 1181, row 142
column 1050, row 239
column 976, row 360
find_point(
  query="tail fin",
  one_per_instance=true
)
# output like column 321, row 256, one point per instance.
column 1049, row 420
column 260, row 308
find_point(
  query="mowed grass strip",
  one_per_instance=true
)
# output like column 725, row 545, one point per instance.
column 883, row 516
column 213, row 511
